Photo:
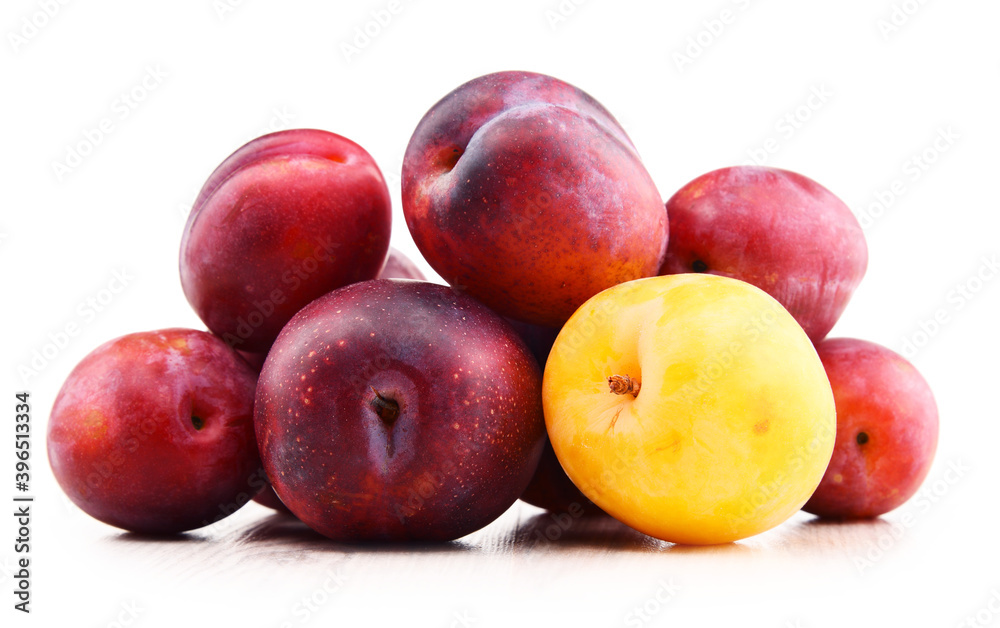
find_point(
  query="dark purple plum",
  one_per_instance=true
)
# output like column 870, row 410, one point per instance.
column 397, row 266
column 399, row 410
column 550, row 488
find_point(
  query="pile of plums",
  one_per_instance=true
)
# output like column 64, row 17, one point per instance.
column 336, row 384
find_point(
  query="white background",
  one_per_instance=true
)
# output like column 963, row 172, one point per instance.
column 219, row 73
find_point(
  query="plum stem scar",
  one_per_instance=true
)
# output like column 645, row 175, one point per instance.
column 386, row 409
column 623, row 384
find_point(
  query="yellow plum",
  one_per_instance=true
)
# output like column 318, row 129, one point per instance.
column 691, row 407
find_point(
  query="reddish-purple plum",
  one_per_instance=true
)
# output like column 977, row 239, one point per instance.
column 254, row 359
column 285, row 219
column 270, row 499
column 153, row 432
column 399, row 266
column 887, row 430
column 525, row 193
column 538, row 338
column 398, row 410
column 550, row 488
column 778, row 230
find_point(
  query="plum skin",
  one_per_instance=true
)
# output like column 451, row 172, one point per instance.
column 397, row 266
column 887, row 431
column 778, row 230
column 469, row 430
column 524, row 192
column 550, row 488
column 153, row 432
column 285, row 219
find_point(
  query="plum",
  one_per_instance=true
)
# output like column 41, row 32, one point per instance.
column 153, row 432
column 525, row 193
column 776, row 229
column 285, row 219
column 398, row 410
column 887, row 430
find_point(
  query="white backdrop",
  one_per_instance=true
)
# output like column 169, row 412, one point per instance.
column 115, row 112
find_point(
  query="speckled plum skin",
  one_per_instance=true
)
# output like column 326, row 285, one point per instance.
column 775, row 229
column 397, row 266
column 124, row 444
column 524, row 192
column 287, row 218
column 887, row 431
column 469, row 430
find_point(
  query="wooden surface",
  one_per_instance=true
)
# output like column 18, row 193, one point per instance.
column 527, row 568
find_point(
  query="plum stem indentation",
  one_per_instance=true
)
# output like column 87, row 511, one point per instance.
column 386, row 409
column 624, row 385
